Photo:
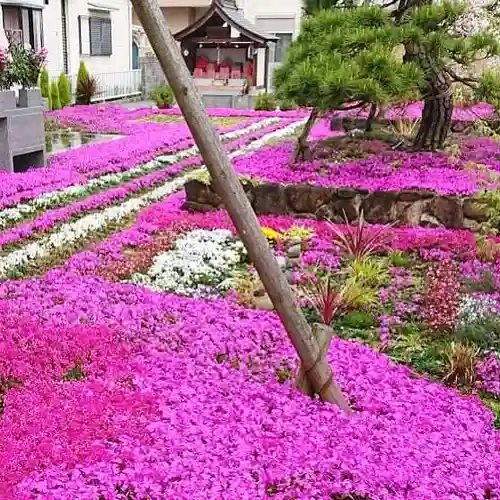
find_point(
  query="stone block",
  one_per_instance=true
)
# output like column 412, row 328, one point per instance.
column 269, row 199
column 378, row 207
column 447, row 210
column 202, row 194
column 303, row 198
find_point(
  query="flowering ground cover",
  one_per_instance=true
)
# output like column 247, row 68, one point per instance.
column 139, row 362
column 373, row 165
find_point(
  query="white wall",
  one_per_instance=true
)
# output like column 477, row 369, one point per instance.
column 121, row 30
column 279, row 9
column 52, row 37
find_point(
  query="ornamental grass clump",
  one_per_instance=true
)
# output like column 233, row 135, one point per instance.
column 487, row 250
column 442, row 296
column 331, row 300
column 360, row 241
column 461, row 362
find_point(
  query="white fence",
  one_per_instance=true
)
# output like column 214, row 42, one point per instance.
column 111, row 86
column 117, row 85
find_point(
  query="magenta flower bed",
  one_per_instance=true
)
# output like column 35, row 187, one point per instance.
column 112, row 391
column 413, row 111
column 162, row 417
column 78, row 165
column 50, row 218
column 387, row 171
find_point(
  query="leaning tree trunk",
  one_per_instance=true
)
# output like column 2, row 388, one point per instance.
column 302, row 150
column 436, row 115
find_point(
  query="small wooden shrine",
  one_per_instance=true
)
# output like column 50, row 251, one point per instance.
column 221, row 49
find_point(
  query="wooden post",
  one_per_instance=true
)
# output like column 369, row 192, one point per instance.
column 266, row 68
column 229, row 188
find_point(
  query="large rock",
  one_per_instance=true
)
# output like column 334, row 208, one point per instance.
column 269, row 199
column 377, row 207
column 202, row 193
column 408, row 214
column 475, row 210
column 447, row 210
column 307, row 199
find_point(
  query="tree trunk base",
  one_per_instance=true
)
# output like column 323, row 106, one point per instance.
column 436, row 122
column 371, row 117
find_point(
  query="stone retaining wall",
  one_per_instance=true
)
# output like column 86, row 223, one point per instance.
column 408, row 207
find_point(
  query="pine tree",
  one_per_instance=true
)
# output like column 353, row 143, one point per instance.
column 64, row 90
column 444, row 39
column 54, row 94
column 345, row 58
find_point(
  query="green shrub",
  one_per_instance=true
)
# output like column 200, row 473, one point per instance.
column 163, row 96
column 81, row 80
column 357, row 320
column 64, row 90
column 44, row 83
column 265, row 102
column 399, row 259
column 483, row 332
column 287, row 105
column 54, row 94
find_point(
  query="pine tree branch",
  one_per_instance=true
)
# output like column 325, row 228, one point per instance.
column 389, row 4
column 470, row 82
column 352, row 106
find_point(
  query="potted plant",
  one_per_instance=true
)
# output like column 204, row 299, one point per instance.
column 7, row 96
column 25, row 66
column 163, row 97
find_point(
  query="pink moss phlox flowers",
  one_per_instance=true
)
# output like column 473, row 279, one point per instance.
column 187, row 424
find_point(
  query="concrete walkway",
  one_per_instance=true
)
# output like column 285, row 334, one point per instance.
column 136, row 104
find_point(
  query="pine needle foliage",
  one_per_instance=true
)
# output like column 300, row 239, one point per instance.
column 347, row 55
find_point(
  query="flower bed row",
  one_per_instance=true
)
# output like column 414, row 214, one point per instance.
column 23, row 203
column 67, row 228
column 78, row 166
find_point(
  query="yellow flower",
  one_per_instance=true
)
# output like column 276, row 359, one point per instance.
column 271, row 234
column 301, row 232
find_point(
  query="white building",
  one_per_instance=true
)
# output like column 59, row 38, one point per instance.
column 99, row 32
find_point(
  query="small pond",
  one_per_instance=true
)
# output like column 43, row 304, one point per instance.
column 63, row 140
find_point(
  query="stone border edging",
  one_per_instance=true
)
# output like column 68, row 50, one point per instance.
column 406, row 207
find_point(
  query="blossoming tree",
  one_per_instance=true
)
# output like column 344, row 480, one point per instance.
column 444, row 40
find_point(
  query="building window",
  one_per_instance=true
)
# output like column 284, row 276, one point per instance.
column 281, row 46
column 23, row 26
column 95, row 34
column 100, row 36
